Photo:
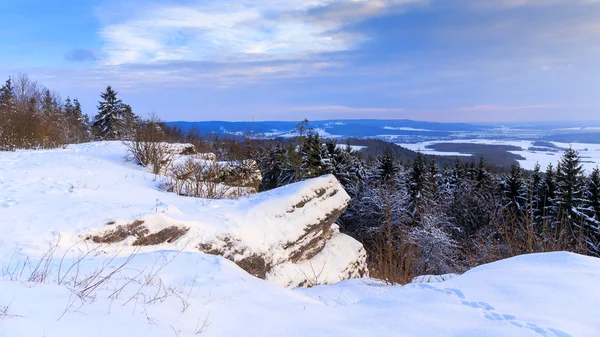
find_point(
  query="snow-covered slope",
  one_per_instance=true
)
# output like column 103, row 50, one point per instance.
column 84, row 193
column 55, row 283
column 553, row 295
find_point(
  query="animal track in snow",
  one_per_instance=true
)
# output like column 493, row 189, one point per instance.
column 488, row 311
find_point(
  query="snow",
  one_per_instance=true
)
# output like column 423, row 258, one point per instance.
column 583, row 128
column 62, row 196
column 329, row 266
column 352, row 147
column 422, row 147
column 552, row 294
column 405, row 129
column 54, row 284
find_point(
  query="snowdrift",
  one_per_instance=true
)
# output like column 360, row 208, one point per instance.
column 190, row 294
column 87, row 194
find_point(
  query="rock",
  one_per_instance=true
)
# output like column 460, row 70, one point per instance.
column 341, row 258
column 287, row 235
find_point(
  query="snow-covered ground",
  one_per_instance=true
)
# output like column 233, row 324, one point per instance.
column 590, row 153
column 55, row 284
column 189, row 294
column 62, row 196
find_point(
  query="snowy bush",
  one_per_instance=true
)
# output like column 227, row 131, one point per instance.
column 208, row 179
column 437, row 249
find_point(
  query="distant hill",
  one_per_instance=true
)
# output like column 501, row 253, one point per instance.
column 396, row 130
column 407, row 131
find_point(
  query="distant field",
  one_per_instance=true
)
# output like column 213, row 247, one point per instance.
column 505, row 152
column 497, row 155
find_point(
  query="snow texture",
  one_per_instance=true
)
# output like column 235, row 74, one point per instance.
column 551, row 295
column 68, row 195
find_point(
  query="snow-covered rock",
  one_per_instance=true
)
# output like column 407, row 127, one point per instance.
column 341, row 258
column 88, row 194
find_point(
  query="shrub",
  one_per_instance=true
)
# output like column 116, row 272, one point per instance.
column 147, row 148
column 201, row 178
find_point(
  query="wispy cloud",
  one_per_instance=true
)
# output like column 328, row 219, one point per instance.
column 344, row 109
column 491, row 108
column 238, row 30
column 528, row 3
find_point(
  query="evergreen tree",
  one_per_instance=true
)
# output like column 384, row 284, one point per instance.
column 333, row 162
column 549, row 195
column 417, row 179
column 50, row 105
column 458, row 173
column 275, row 166
column 130, row 120
column 513, row 190
column 483, row 176
column 570, row 188
column 386, row 168
column 313, row 156
column 592, row 223
column 111, row 121
column 593, row 195
column 535, row 189
column 472, row 170
column 78, row 122
column 7, row 95
column 84, row 120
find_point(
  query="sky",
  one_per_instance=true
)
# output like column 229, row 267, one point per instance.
column 253, row 60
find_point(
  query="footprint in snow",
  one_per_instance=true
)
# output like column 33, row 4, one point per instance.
column 488, row 311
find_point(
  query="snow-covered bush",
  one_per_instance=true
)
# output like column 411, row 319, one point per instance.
column 436, row 248
column 200, row 178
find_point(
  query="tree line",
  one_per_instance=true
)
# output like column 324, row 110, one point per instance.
column 419, row 217
column 34, row 117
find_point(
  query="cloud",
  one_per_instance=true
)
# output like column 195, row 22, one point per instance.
column 80, row 55
column 238, row 30
column 528, row 3
column 344, row 109
column 498, row 108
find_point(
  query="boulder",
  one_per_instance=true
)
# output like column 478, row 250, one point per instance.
column 287, row 235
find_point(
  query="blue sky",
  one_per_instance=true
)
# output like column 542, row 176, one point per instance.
column 440, row 60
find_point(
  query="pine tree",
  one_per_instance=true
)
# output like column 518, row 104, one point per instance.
column 130, row 120
column 84, row 120
column 313, row 156
column 513, row 190
column 386, row 168
column 78, row 122
column 417, row 178
column 333, row 161
column 50, row 106
column 275, row 161
column 549, row 195
column 111, row 121
column 535, row 189
column 570, row 188
column 7, row 95
column 7, row 113
column 593, row 194
column 483, row 177
column 592, row 223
